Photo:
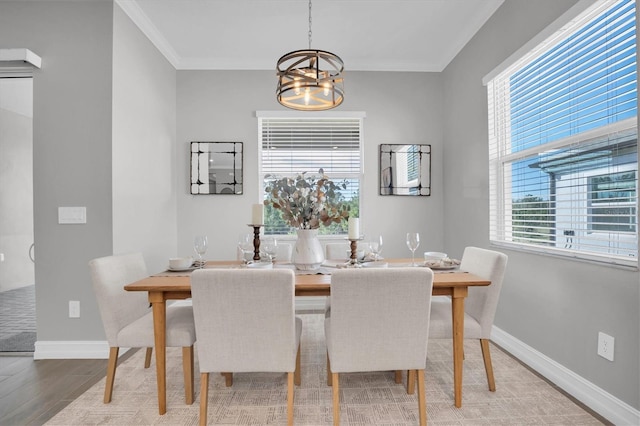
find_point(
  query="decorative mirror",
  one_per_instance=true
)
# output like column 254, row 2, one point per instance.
column 405, row 169
column 216, row 168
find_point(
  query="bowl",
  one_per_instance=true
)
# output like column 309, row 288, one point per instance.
column 434, row 255
column 180, row 262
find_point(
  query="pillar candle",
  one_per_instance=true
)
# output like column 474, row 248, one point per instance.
column 354, row 228
column 257, row 214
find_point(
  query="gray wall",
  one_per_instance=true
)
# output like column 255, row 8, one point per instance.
column 72, row 151
column 144, row 132
column 221, row 106
column 556, row 306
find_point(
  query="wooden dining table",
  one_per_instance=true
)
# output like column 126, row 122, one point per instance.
column 176, row 285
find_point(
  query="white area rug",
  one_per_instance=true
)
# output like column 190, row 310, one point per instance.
column 366, row 398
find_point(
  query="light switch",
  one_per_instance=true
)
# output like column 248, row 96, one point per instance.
column 72, row 215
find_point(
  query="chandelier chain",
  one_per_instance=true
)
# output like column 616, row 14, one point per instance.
column 309, row 24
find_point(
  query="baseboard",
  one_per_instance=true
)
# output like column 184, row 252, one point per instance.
column 73, row 350
column 616, row 411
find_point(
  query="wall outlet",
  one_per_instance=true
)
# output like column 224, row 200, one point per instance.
column 605, row 346
column 74, row 309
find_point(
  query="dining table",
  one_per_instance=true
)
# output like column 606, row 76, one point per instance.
column 171, row 285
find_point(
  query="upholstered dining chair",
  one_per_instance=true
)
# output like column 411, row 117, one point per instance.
column 479, row 306
column 245, row 322
column 338, row 251
column 128, row 320
column 284, row 252
column 379, row 321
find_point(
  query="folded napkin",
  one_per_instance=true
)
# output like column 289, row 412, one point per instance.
column 442, row 263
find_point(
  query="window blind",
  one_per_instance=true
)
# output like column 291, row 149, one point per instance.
column 293, row 145
column 563, row 141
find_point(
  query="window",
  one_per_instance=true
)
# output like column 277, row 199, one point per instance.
column 295, row 143
column 563, row 141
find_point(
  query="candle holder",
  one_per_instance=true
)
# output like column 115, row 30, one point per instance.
column 353, row 261
column 256, row 241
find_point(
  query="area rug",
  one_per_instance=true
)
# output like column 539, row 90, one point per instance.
column 366, row 398
column 20, row 342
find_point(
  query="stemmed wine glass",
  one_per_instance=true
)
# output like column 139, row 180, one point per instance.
column 245, row 244
column 376, row 247
column 200, row 244
column 413, row 242
column 270, row 247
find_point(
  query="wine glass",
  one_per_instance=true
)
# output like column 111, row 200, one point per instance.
column 245, row 244
column 376, row 247
column 413, row 242
column 200, row 244
column 270, row 247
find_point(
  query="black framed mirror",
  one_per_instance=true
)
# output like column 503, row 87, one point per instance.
column 405, row 169
column 216, row 168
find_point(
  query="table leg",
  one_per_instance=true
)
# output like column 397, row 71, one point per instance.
column 457, row 317
column 159, row 331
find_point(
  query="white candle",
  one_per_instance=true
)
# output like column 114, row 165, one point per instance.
column 257, row 214
column 354, row 228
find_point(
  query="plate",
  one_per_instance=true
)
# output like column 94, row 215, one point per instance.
column 260, row 265
column 375, row 264
column 441, row 267
column 188, row 268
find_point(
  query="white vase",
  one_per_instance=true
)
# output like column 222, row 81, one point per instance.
column 308, row 254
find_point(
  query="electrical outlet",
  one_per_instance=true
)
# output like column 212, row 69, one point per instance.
column 605, row 346
column 74, row 309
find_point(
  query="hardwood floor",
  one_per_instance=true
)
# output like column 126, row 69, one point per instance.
column 32, row 392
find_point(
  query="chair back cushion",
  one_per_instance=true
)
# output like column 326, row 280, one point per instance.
column 379, row 319
column 337, row 251
column 118, row 307
column 482, row 302
column 245, row 319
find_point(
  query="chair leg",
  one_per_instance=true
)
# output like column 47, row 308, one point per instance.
column 486, row 355
column 336, row 399
column 398, row 376
column 296, row 374
column 147, row 357
column 422, row 400
column 329, row 381
column 228, row 379
column 411, row 381
column 290, row 388
column 204, row 397
column 111, row 373
column 187, row 369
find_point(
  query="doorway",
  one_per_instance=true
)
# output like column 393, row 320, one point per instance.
column 17, row 260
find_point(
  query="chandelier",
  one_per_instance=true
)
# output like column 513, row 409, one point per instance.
column 310, row 80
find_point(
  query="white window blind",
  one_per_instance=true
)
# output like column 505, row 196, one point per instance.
column 291, row 145
column 563, row 141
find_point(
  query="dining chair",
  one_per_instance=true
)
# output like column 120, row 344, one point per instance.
column 338, row 251
column 379, row 321
column 128, row 320
column 479, row 306
column 245, row 322
column 283, row 252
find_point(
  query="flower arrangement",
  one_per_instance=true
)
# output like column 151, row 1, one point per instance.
column 307, row 201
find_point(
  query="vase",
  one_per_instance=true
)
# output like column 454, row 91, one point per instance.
column 308, row 254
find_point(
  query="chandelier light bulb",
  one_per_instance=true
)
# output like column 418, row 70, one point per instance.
column 307, row 96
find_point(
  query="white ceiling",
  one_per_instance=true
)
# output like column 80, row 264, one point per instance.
column 369, row 35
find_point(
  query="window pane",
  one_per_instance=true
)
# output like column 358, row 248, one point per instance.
column 294, row 145
column 563, row 141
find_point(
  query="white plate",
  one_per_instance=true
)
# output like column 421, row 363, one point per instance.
column 376, row 264
column 180, row 269
column 443, row 268
column 260, row 265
